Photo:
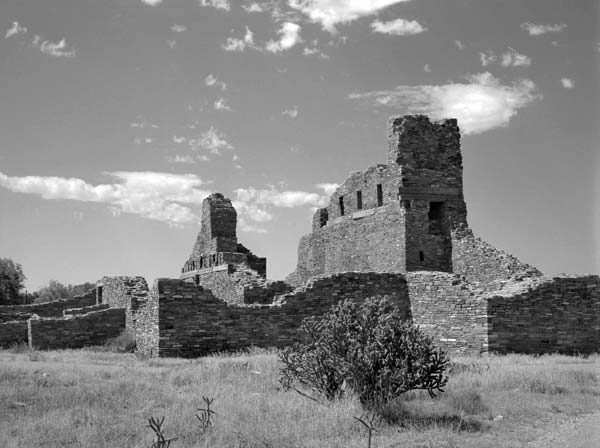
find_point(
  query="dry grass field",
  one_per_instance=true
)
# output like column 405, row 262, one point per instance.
column 87, row 398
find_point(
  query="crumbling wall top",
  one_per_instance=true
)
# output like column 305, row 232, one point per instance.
column 218, row 230
column 416, row 142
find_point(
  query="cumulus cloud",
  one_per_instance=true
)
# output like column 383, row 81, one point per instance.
column 212, row 140
column 235, row 44
column 459, row 45
column 487, row 58
column 567, row 83
column 427, row 68
column 58, row 49
column 15, row 30
column 181, row 159
column 152, row 2
column 178, row 28
column 253, row 7
column 292, row 113
column 221, row 104
column 513, row 59
column 328, row 188
column 331, row 12
column 398, row 27
column 481, row 104
column 151, row 195
column 218, row 4
column 314, row 51
column 212, row 81
column 289, row 36
column 538, row 30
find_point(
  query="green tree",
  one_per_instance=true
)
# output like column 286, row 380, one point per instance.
column 52, row 292
column 11, row 281
column 369, row 348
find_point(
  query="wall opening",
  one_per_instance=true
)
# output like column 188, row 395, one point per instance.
column 436, row 211
column 341, row 200
column 379, row 195
column 359, row 200
column 405, row 203
column 197, row 280
column 99, row 294
column 421, row 256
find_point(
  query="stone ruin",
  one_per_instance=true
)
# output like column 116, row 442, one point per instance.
column 397, row 230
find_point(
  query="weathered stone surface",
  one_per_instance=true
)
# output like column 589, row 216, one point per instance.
column 47, row 309
column 83, row 330
column 11, row 333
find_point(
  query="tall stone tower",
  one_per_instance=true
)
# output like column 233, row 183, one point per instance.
column 396, row 217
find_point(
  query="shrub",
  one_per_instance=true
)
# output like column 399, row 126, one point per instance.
column 124, row 343
column 368, row 348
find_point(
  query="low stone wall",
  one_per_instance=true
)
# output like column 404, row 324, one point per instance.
column 12, row 333
column 129, row 293
column 449, row 310
column 192, row 322
column 84, row 310
column 46, row 309
column 75, row 332
column 545, row 315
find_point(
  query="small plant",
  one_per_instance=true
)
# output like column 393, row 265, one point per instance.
column 369, row 421
column 205, row 416
column 368, row 348
column 156, row 426
column 124, row 343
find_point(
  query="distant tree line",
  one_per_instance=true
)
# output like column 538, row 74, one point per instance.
column 12, row 284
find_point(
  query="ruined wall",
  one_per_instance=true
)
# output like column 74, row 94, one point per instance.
column 128, row 293
column 192, row 322
column 546, row 315
column 218, row 229
column 446, row 308
column 483, row 264
column 47, row 309
column 147, row 322
column 11, row 333
column 75, row 332
column 84, row 310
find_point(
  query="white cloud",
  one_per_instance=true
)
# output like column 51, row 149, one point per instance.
column 513, row 59
column 398, row 27
column 459, row 45
column 235, row 44
column 487, row 58
column 538, row 30
column 285, row 199
column 151, row 195
column 15, row 30
column 221, row 104
column 328, row 188
column 211, row 80
column 212, row 140
column 141, row 123
column 178, row 28
column 181, row 159
column 218, row 4
column 171, row 43
column 152, row 2
column 331, row 12
column 253, row 7
column 567, row 83
column 178, row 140
column 480, row 105
column 58, row 49
column 290, row 36
column 292, row 113
column 314, row 51
column 427, row 68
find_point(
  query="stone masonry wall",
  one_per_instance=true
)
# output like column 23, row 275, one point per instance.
column 546, row 315
column 192, row 322
column 129, row 293
column 46, row 309
column 447, row 309
column 147, row 324
column 75, row 332
column 85, row 309
column 483, row 264
column 12, row 333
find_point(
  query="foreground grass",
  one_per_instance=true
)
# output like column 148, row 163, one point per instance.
column 101, row 399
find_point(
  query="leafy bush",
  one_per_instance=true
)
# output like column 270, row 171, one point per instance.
column 368, row 348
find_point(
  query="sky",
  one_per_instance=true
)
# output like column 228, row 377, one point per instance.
column 117, row 118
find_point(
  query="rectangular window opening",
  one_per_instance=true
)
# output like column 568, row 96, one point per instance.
column 379, row 195
column 406, row 203
column 359, row 200
column 436, row 210
column 341, row 199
